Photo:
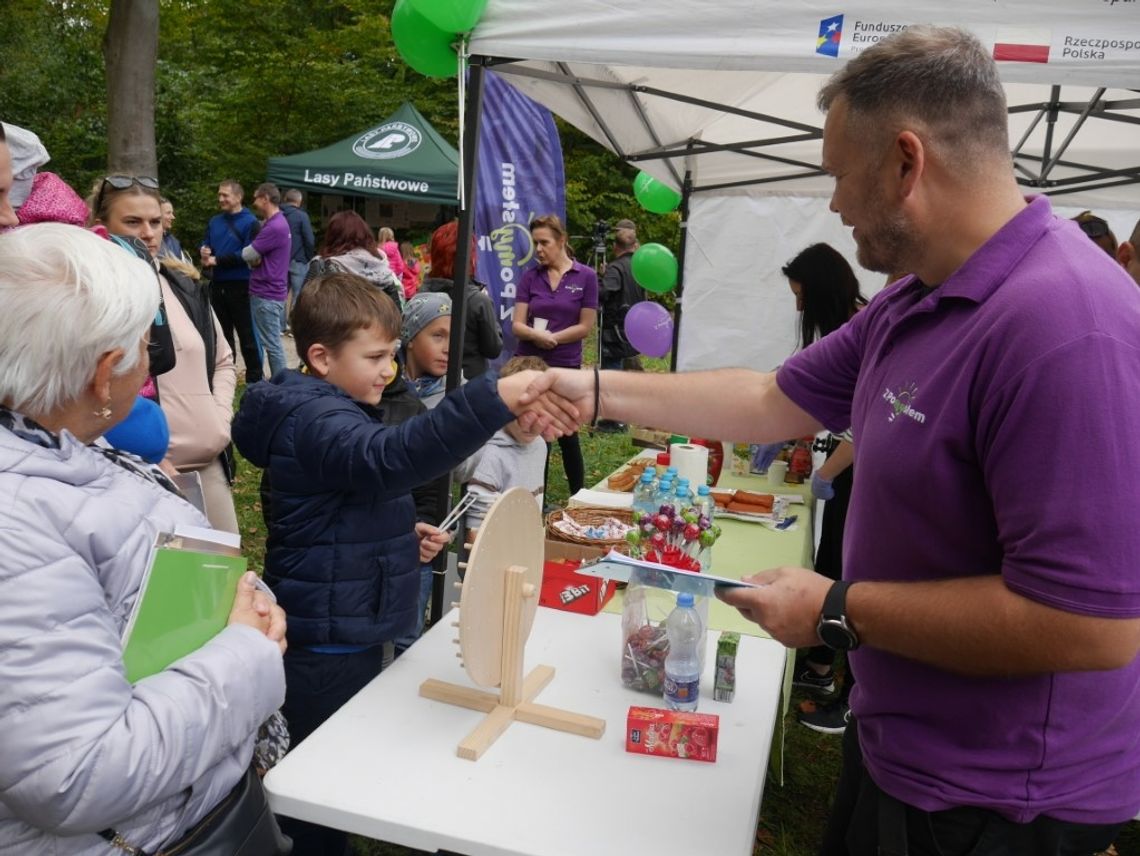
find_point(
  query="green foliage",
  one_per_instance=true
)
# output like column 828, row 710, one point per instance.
column 240, row 81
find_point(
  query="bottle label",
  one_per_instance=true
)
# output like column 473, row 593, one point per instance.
column 681, row 691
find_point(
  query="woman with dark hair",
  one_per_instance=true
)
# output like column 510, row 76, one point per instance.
column 826, row 290
column 827, row 295
column 555, row 309
column 482, row 336
column 349, row 247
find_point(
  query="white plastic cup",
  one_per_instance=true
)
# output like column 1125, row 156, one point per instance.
column 539, row 324
column 777, row 472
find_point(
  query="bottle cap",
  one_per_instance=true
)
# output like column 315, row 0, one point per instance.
column 647, row 477
column 703, row 490
column 662, row 459
column 685, row 598
column 672, row 471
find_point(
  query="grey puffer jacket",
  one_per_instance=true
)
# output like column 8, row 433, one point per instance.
column 81, row 749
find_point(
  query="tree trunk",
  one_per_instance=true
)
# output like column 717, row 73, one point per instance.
column 130, row 50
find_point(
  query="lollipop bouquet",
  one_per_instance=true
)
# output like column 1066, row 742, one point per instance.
column 678, row 539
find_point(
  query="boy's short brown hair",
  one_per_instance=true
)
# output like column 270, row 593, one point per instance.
column 522, row 364
column 332, row 307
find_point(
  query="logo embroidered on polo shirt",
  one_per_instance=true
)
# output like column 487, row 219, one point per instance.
column 901, row 402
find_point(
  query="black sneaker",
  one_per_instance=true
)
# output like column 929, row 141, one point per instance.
column 825, row 718
column 809, row 679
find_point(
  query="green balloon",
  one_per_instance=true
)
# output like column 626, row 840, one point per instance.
column 654, row 195
column 423, row 45
column 452, row 16
column 655, row 268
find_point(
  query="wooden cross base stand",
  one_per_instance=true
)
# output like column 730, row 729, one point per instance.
column 514, row 701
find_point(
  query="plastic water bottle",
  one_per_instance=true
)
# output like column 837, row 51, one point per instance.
column 664, row 494
column 681, row 498
column 704, row 501
column 645, row 495
column 686, row 633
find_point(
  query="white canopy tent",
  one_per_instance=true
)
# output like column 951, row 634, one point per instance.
column 717, row 98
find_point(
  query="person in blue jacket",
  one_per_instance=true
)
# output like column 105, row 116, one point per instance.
column 344, row 548
column 226, row 234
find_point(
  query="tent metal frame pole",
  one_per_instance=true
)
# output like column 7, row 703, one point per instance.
column 653, row 135
column 569, row 78
column 594, row 114
column 1082, row 117
column 702, row 148
column 473, row 115
column 678, row 306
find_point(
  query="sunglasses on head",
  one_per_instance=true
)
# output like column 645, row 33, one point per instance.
column 122, row 182
column 1093, row 226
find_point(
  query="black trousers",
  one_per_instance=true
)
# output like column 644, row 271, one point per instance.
column 866, row 822
column 572, row 463
column 829, row 555
column 231, row 304
column 316, row 687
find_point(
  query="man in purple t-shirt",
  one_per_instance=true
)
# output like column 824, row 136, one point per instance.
column 268, row 256
column 992, row 584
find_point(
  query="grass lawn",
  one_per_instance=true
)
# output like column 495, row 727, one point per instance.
column 792, row 816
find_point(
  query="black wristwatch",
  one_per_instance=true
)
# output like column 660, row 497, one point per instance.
column 834, row 630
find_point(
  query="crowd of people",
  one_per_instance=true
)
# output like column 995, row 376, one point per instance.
column 113, row 411
column 977, row 601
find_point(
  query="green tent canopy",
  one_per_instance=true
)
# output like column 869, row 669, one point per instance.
column 403, row 157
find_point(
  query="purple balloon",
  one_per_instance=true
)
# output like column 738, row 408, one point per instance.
column 649, row 328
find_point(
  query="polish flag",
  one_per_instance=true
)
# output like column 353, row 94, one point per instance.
column 1022, row 45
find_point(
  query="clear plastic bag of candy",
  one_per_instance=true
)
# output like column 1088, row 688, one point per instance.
column 644, row 642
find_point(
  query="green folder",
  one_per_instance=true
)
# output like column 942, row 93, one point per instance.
column 185, row 601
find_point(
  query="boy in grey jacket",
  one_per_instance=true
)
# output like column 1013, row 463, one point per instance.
column 511, row 458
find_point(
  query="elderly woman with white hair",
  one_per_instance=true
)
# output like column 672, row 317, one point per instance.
column 89, row 763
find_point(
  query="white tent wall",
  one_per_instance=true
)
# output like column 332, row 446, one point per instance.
column 737, row 308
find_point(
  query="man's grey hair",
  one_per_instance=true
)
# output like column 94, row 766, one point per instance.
column 269, row 191
column 943, row 78
column 625, row 239
column 293, row 196
column 69, row 297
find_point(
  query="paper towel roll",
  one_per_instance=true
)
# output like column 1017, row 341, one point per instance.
column 692, row 463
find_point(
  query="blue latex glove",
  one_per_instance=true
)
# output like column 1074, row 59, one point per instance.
column 821, row 488
column 763, row 455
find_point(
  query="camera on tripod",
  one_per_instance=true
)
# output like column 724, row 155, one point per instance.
column 601, row 232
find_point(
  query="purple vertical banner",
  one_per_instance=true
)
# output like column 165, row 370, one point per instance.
column 520, row 177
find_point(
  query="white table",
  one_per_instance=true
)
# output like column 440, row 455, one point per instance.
column 384, row 766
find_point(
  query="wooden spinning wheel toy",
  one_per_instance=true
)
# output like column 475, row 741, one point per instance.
column 497, row 605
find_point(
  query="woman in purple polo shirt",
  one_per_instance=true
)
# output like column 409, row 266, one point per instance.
column 556, row 308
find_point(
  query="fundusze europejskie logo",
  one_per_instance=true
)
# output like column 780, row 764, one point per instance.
column 830, row 34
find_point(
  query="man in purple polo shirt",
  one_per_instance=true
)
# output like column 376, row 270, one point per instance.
column 268, row 256
column 993, row 585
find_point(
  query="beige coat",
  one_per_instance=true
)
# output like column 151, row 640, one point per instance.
column 199, row 419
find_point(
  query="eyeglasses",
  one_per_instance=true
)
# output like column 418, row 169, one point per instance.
column 1092, row 225
column 122, row 182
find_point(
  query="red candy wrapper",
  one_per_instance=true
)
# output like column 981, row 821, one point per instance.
column 672, row 733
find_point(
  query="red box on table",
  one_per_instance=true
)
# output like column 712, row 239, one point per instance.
column 672, row 733
column 564, row 588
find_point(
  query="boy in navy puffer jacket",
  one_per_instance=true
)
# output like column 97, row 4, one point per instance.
column 344, row 548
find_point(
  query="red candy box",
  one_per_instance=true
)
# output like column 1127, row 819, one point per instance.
column 672, row 733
